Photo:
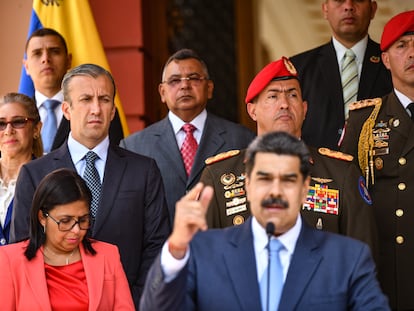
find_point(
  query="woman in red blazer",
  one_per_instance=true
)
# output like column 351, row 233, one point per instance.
column 59, row 267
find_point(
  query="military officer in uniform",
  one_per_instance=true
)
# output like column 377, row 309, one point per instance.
column 380, row 135
column 338, row 200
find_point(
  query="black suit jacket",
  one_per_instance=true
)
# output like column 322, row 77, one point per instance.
column 132, row 211
column 158, row 142
column 320, row 80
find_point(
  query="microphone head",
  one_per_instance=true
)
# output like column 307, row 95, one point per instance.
column 270, row 228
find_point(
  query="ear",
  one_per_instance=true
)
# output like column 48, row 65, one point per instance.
column 305, row 189
column 210, row 88
column 305, row 109
column 374, row 7
column 41, row 218
column 386, row 60
column 36, row 130
column 251, row 110
column 66, row 110
column 161, row 90
column 69, row 61
column 113, row 112
column 325, row 10
column 247, row 186
column 26, row 66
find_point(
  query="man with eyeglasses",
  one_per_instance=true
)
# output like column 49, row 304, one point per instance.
column 185, row 89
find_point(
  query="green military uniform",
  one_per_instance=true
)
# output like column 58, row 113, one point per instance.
column 337, row 200
column 380, row 134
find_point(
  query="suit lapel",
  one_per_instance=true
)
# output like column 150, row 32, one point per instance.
column 305, row 261
column 167, row 143
column 333, row 78
column 210, row 144
column 370, row 70
column 61, row 133
column 36, row 277
column 94, row 271
column 114, row 171
column 240, row 261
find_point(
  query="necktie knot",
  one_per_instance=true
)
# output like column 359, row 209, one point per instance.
column 50, row 104
column 91, row 157
column 188, row 128
column 410, row 107
column 275, row 246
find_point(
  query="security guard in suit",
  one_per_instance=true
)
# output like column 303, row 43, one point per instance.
column 338, row 200
column 380, row 135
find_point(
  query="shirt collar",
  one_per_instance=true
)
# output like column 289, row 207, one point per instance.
column 404, row 100
column 359, row 49
column 177, row 123
column 288, row 239
column 40, row 98
column 78, row 151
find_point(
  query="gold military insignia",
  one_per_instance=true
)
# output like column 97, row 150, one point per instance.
column 227, row 179
column 335, row 154
column 365, row 103
column 221, row 156
column 238, row 220
column 289, row 66
column 322, row 180
column 379, row 163
column 374, row 59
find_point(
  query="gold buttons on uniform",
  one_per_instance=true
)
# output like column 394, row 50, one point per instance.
column 399, row 212
column 401, row 186
column 402, row 161
column 399, row 239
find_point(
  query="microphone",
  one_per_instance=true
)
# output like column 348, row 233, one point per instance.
column 270, row 230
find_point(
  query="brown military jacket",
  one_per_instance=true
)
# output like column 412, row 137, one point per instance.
column 338, row 200
column 392, row 167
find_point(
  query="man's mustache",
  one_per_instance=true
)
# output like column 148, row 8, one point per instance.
column 275, row 201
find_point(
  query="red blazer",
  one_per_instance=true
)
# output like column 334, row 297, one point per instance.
column 23, row 282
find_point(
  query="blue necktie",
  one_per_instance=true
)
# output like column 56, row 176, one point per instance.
column 49, row 128
column 91, row 176
column 276, row 279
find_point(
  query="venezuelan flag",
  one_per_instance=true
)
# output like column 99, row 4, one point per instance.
column 73, row 19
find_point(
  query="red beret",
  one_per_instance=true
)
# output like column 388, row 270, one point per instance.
column 278, row 70
column 396, row 27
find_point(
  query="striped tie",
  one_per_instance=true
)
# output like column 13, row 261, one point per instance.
column 349, row 78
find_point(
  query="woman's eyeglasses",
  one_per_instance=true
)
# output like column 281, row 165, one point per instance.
column 16, row 123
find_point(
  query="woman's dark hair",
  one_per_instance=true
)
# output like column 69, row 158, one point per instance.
column 59, row 187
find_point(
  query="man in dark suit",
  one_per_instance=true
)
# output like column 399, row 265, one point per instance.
column 131, row 211
column 380, row 134
column 47, row 61
column 320, row 74
column 222, row 269
column 185, row 88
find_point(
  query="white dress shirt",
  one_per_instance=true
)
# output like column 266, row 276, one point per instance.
column 358, row 49
column 40, row 98
column 199, row 122
column 78, row 151
column 171, row 266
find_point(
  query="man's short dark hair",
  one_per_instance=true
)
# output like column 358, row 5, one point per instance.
column 186, row 54
column 43, row 32
column 280, row 143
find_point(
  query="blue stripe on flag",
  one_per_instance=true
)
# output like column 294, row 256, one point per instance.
column 26, row 84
